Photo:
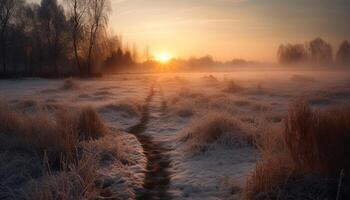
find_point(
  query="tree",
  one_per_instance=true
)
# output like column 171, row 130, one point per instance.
column 53, row 23
column 292, row 53
column 7, row 9
column 343, row 54
column 77, row 12
column 98, row 12
column 320, row 51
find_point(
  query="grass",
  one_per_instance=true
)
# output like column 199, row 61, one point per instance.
column 318, row 140
column 70, row 84
column 29, row 139
column 303, row 158
column 73, row 182
column 233, row 87
column 215, row 128
column 131, row 107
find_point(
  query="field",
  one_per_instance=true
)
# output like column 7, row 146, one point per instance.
column 155, row 136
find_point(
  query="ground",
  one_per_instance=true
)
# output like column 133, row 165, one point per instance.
column 152, row 113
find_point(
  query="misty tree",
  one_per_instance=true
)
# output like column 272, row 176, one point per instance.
column 320, row 51
column 292, row 53
column 343, row 54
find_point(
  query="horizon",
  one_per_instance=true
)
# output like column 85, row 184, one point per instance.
column 227, row 29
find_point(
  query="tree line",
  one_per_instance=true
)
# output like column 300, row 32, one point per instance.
column 317, row 51
column 58, row 39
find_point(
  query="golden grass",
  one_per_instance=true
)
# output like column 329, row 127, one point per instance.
column 57, row 137
column 311, row 143
column 318, row 140
column 90, row 125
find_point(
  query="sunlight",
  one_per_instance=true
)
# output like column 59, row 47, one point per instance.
column 163, row 57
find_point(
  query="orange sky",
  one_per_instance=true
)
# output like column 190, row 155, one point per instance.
column 226, row 29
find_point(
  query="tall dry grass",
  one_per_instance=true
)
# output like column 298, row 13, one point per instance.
column 75, row 181
column 310, row 143
column 55, row 137
column 69, row 168
column 318, row 140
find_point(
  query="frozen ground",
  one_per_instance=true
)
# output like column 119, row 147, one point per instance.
column 178, row 101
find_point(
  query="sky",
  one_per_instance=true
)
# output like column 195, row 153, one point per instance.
column 227, row 29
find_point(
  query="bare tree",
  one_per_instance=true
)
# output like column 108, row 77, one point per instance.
column 98, row 12
column 77, row 11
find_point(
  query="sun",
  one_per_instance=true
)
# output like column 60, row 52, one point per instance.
column 163, row 57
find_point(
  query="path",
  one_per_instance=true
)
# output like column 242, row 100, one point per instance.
column 157, row 177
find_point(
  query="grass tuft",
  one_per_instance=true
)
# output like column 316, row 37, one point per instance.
column 215, row 128
column 70, row 84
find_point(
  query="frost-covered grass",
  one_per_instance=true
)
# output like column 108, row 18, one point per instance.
column 215, row 128
column 131, row 107
column 241, row 140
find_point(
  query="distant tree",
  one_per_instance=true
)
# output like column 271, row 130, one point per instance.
column 343, row 54
column 320, row 51
column 292, row 53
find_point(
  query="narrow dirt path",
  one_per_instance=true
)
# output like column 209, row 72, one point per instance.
column 157, row 177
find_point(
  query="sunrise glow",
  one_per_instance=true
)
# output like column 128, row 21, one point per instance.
column 163, row 57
